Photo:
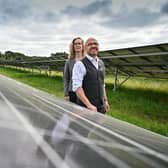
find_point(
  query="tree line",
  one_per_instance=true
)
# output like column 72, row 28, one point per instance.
column 16, row 56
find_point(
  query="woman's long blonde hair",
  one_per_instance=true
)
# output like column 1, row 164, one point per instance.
column 71, row 48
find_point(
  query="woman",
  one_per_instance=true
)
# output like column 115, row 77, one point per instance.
column 76, row 53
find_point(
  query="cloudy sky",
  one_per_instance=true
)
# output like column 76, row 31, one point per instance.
column 42, row 27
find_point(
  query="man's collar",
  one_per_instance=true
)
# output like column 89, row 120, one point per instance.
column 91, row 58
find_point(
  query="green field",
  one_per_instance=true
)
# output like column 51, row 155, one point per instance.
column 143, row 102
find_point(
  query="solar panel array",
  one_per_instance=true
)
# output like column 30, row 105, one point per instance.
column 145, row 61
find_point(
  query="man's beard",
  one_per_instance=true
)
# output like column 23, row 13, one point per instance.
column 93, row 54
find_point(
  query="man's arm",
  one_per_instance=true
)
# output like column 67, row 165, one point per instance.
column 81, row 95
column 78, row 74
column 107, row 107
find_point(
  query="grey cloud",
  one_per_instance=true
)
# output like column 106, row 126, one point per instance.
column 13, row 9
column 125, row 17
column 102, row 7
column 50, row 16
column 165, row 8
column 72, row 11
column 18, row 11
column 138, row 17
column 46, row 16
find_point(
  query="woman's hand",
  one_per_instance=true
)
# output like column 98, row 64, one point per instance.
column 67, row 98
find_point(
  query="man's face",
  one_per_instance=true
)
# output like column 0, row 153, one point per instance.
column 92, row 47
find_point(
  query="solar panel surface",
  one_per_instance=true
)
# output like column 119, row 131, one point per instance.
column 145, row 61
column 40, row 130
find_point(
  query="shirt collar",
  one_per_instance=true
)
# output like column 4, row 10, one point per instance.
column 92, row 59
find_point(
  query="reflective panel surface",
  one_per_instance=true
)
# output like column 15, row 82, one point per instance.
column 38, row 130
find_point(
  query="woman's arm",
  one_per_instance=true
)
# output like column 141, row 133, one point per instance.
column 66, row 78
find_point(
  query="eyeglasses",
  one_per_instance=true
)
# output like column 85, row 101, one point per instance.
column 94, row 43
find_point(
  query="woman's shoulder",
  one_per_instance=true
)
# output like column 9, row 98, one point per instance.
column 71, row 61
column 68, row 62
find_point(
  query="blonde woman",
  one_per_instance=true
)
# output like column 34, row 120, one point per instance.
column 76, row 54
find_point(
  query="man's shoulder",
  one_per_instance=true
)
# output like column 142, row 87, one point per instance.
column 101, row 63
column 100, row 60
column 85, row 60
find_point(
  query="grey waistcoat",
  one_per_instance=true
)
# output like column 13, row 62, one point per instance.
column 93, row 83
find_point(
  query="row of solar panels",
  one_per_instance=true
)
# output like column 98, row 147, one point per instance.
column 145, row 61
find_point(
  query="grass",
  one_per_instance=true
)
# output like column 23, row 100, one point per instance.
column 140, row 101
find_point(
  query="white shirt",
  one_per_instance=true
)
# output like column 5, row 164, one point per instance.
column 79, row 71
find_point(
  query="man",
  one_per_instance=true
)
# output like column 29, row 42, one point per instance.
column 88, row 79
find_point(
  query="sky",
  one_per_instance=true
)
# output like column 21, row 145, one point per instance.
column 42, row 27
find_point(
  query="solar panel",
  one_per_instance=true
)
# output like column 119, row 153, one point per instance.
column 146, row 61
column 39, row 130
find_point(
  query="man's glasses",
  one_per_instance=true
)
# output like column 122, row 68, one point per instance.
column 94, row 43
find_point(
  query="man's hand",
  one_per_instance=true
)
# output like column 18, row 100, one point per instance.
column 81, row 95
column 107, row 107
column 67, row 98
column 92, row 107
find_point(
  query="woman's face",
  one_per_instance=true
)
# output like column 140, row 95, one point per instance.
column 78, row 47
